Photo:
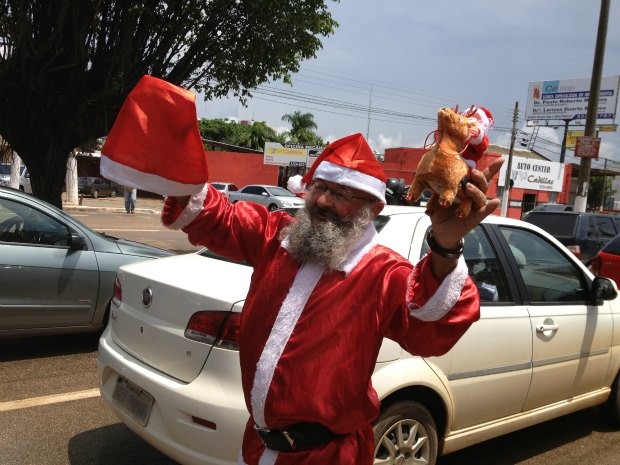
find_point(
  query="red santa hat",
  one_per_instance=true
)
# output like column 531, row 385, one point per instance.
column 348, row 161
column 155, row 144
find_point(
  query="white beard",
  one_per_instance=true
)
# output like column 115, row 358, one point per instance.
column 327, row 242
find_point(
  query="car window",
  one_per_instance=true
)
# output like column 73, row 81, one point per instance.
column 232, row 188
column 24, row 225
column 218, row 186
column 606, row 228
column 548, row 274
column 484, row 267
column 613, row 246
column 252, row 190
column 557, row 224
column 280, row 191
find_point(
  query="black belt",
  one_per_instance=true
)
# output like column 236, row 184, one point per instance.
column 295, row 437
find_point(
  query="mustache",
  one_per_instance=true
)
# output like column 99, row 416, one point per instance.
column 330, row 215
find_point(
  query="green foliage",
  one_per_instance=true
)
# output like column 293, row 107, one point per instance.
column 302, row 125
column 252, row 136
column 600, row 188
column 67, row 66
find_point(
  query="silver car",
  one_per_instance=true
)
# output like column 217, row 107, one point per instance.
column 547, row 344
column 272, row 197
column 56, row 274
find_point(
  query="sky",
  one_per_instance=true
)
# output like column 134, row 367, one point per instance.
column 405, row 59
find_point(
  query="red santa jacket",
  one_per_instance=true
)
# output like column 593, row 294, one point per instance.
column 309, row 339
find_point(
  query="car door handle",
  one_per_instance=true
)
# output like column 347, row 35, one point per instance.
column 547, row 327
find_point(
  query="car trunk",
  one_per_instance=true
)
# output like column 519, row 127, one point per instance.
column 154, row 334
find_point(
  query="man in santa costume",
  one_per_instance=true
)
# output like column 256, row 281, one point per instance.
column 323, row 295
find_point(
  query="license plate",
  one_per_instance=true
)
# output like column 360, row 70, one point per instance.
column 133, row 400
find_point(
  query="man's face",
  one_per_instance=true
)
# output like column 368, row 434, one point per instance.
column 328, row 201
column 330, row 224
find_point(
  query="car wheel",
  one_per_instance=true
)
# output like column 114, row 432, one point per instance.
column 610, row 410
column 272, row 207
column 113, row 194
column 95, row 194
column 405, row 433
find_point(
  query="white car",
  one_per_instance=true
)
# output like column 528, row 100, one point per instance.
column 547, row 344
column 225, row 187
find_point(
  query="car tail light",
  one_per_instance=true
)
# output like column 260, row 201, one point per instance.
column 575, row 249
column 118, row 291
column 218, row 328
column 595, row 265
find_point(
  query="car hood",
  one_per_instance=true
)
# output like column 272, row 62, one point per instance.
column 128, row 247
column 180, row 286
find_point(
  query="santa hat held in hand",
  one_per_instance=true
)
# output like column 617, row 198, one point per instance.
column 155, row 144
column 349, row 162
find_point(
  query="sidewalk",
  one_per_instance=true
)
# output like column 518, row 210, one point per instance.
column 143, row 204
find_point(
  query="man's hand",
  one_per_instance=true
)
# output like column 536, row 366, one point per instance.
column 448, row 229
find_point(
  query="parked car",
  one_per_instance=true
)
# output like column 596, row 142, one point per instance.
column 607, row 261
column 24, row 181
column 97, row 187
column 225, row 187
column 583, row 233
column 5, row 173
column 556, row 207
column 547, row 344
column 273, row 197
column 56, row 274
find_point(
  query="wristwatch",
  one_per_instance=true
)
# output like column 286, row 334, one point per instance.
column 439, row 250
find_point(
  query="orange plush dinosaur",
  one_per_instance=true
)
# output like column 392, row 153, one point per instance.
column 442, row 169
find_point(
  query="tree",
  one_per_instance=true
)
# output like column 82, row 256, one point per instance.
column 252, row 136
column 66, row 66
column 600, row 189
column 302, row 125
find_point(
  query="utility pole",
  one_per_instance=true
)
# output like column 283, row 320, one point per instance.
column 506, row 195
column 581, row 199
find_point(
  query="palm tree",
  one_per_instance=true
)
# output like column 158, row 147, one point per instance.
column 302, row 125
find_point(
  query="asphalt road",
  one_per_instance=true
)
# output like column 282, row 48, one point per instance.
column 51, row 412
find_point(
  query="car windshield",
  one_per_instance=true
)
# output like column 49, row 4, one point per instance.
column 558, row 225
column 5, row 168
column 280, row 192
column 218, row 186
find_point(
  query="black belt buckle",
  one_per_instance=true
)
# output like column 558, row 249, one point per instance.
column 273, row 438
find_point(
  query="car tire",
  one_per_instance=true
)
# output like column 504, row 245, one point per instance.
column 610, row 410
column 405, row 432
column 95, row 194
column 272, row 207
column 113, row 193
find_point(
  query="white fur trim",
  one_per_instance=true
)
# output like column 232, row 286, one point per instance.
column 191, row 210
column 123, row 174
column 329, row 171
column 476, row 140
column 305, row 281
column 446, row 296
column 295, row 185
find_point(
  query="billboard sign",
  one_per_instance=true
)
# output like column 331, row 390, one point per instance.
column 290, row 154
column 528, row 173
column 568, row 99
column 587, row 147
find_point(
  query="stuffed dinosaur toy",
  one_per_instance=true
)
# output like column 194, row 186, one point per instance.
column 442, row 170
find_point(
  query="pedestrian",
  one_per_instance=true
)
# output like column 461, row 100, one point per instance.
column 130, row 194
column 323, row 296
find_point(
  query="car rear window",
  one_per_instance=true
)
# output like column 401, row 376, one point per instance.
column 613, row 246
column 558, row 225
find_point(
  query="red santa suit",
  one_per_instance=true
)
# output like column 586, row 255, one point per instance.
column 310, row 339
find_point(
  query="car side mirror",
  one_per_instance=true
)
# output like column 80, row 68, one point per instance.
column 77, row 242
column 603, row 289
column 264, row 194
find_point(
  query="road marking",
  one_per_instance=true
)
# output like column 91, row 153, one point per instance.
column 47, row 400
